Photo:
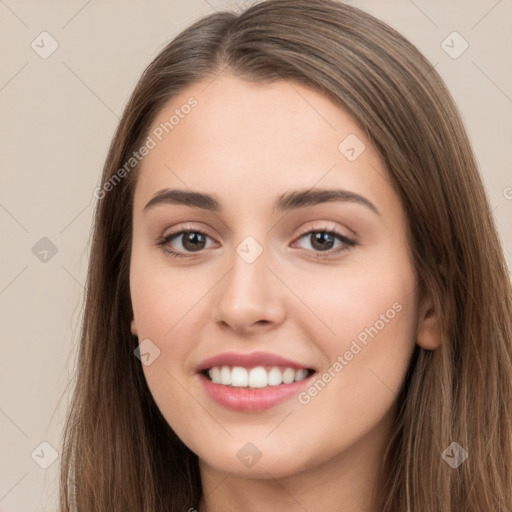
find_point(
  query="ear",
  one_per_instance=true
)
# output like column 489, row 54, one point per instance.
column 428, row 331
column 133, row 327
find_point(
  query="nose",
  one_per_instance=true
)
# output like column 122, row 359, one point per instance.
column 249, row 298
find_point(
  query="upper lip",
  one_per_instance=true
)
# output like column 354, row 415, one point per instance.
column 249, row 361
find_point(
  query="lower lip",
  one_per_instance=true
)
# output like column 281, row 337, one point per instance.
column 244, row 399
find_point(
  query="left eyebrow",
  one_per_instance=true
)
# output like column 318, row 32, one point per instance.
column 311, row 197
column 285, row 202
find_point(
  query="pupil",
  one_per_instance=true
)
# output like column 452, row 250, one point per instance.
column 322, row 241
column 195, row 239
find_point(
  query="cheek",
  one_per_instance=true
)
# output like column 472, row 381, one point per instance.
column 369, row 319
column 161, row 299
column 163, row 312
column 167, row 305
column 372, row 318
column 360, row 303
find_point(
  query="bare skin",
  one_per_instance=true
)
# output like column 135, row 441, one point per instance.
column 246, row 144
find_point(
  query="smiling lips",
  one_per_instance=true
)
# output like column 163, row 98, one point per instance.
column 258, row 377
column 251, row 382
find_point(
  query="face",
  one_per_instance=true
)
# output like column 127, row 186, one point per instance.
column 280, row 325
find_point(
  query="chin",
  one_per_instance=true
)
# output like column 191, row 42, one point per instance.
column 246, row 459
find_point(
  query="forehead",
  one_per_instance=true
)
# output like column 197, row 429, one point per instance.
column 257, row 139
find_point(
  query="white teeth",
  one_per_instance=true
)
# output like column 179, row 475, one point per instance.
column 239, row 377
column 225, row 375
column 275, row 377
column 215, row 375
column 300, row 374
column 288, row 376
column 258, row 377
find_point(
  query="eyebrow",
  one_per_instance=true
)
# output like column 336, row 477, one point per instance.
column 285, row 202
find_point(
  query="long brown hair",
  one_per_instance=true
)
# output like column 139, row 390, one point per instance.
column 119, row 453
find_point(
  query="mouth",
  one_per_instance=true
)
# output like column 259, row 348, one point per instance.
column 252, row 382
column 258, row 377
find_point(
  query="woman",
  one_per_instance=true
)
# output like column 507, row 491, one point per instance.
column 296, row 298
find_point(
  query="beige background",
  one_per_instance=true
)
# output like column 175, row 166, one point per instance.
column 58, row 115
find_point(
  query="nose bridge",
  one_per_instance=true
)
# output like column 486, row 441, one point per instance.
column 248, row 293
column 247, row 278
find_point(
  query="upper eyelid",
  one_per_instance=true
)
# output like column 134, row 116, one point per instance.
column 309, row 227
column 307, row 230
column 183, row 230
column 347, row 242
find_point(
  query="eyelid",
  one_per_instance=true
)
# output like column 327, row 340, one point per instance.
column 326, row 226
column 186, row 227
column 323, row 226
column 347, row 241
column 310, row 226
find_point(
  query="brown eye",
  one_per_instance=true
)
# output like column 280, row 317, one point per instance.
column 191, row 241
column 323, row 241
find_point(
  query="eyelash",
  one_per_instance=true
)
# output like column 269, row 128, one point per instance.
column 349, row 243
